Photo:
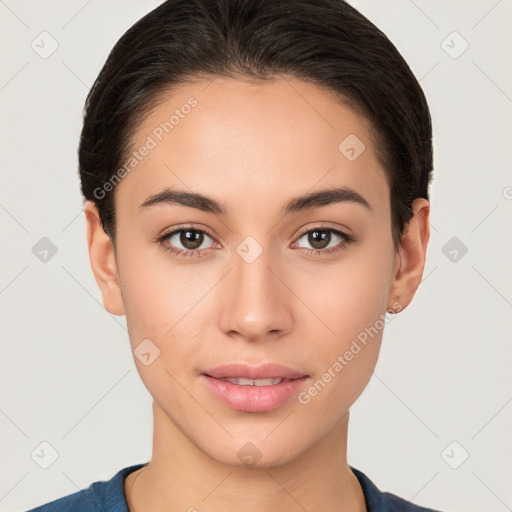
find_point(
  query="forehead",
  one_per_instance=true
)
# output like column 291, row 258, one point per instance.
column 240, row 142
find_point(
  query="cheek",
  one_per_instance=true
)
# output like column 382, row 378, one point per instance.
column 350, row 302
column 163, row 298
column 350, row 295
column 164, row 307
column 167, row 304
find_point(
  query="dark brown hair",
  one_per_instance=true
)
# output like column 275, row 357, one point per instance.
column 325, row 42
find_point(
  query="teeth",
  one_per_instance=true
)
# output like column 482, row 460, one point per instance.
column 241, row 381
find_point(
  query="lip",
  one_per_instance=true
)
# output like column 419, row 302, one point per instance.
column 254, row 398
column 264, row 371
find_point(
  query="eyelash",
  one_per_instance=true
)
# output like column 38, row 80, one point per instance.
column 184, row 253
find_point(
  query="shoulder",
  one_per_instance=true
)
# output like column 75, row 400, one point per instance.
column 100, row 496
column 378, row 501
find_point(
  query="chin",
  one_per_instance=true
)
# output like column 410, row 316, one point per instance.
column 260, row 453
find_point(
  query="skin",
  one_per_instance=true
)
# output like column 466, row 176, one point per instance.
column 253, row 147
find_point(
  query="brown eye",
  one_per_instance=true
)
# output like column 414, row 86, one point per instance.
column 191, row 239
column 185, row 241
column 321, row 238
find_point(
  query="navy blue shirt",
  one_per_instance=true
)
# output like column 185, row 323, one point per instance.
column 108, row 496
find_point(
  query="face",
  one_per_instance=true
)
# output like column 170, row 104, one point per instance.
column 242, row 280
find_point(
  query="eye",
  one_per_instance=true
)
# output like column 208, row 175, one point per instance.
column 321, row 237
column 190, row 238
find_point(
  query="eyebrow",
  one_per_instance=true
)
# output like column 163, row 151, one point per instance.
column 297, row 204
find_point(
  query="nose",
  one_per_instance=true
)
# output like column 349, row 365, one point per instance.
column 256, row 304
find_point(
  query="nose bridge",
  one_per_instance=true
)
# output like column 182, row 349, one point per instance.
column 254, row 306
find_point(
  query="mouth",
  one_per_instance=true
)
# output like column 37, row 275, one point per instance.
column 254, row 373
column 241, row 381
column 254, row 389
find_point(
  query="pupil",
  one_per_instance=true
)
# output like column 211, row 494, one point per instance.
column 195, row 239
column 317, row 240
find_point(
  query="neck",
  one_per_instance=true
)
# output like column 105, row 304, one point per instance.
column 180, row 477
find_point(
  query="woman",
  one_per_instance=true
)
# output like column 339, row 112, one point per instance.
column 255, row 175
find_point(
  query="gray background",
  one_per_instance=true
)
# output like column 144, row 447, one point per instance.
column 442, row 387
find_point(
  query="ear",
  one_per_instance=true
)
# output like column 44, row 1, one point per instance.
column 103, row 261
column 410, row 257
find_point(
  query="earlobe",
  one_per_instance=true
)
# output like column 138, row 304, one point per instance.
column 103, row 261
column 410, row 258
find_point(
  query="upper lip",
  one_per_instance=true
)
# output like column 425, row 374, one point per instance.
column 264, row 371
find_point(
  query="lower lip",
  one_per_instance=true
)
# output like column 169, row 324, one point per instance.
column 254, row 398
